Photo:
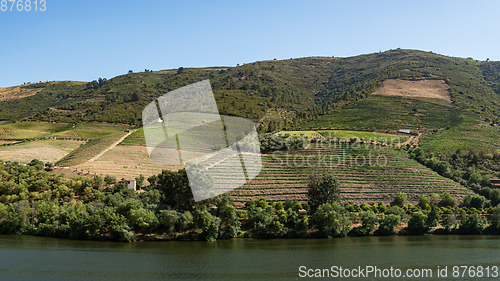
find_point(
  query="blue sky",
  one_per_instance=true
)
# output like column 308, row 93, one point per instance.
column 85, row 40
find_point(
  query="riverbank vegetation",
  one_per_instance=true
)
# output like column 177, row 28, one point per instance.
column 35, row 201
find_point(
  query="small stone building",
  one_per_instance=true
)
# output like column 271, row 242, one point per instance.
column 131, row 184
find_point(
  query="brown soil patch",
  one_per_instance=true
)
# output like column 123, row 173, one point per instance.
column 414, row 138
column 125, row 161
column 43, row 150
column 70, row 172
column 15, row 93
column 19, row 92
column 434, row 89
column 4, row 142
column 165, row 71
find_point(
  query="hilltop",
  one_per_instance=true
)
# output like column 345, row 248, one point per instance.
column 296, row 90
column 450, row 105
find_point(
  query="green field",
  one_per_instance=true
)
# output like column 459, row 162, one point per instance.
column 86, row 130
column 444, row 128
column 470, row 135
column 391, row 113
column 346, row 134
column 89, row 130
column 307, row 134
column 27, row 130
column 368, row 136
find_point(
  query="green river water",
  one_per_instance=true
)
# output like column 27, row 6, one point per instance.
column 40, row 258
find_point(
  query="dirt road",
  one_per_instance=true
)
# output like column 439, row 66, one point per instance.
column 110, row 147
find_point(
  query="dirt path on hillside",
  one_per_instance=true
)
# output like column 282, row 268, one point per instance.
column 308, row 144
column 15, row 93
column 113, row 145
column 417, row 138
column 414, row 138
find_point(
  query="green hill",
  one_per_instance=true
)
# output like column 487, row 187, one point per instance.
column 450, row 105
column 300, row 89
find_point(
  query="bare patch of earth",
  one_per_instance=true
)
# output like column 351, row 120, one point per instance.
column 435, row 89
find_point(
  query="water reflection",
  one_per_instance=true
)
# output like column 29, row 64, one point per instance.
column 39, row 258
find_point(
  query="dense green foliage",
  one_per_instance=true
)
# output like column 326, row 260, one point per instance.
column 470, row 168
column 323, row 189
column 35, row 201
column 391, row 113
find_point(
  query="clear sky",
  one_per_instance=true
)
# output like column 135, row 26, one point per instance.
column 85, row 40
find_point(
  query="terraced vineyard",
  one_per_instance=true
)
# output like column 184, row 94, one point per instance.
column 367, row 173
column 307, row 134
column 368, row 136
column 344, row 134
column 89, row 150
column 125, row 162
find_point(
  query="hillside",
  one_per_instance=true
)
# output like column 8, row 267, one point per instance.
column 298, row 89
column 366, row 172
column 450, row 105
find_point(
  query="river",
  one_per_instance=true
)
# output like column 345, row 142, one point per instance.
column 40, row 258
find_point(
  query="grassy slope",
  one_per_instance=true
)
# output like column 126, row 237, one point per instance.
column 26, row 130
column 247, row 91
column 303, row 88
column 470, row 135
column 345, row 135
column 91, row 130
column 356, row 77
column 445, row 128
column 50, row 94
column 30, row 130
column 392, row 113
column 491, row 73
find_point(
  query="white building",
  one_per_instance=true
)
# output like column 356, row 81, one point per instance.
column 131, row 184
